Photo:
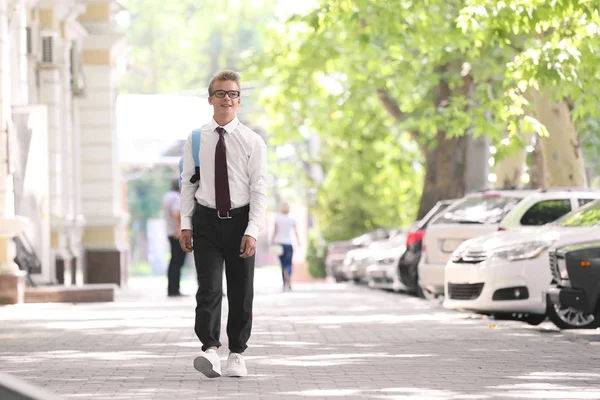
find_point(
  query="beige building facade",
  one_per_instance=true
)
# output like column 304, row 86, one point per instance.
column 61, row 198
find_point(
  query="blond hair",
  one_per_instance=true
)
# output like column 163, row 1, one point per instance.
column 284, row 207
column 225, row 75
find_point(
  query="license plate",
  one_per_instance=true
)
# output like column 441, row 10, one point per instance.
column 449, row 245
column 378, row 274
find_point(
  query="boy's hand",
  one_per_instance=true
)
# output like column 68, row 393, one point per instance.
column 248, row 246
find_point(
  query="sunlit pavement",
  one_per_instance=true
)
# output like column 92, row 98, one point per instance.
column 319, row 341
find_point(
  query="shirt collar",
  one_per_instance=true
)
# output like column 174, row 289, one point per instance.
column 229, row 127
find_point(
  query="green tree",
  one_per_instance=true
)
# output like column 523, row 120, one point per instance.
column 145, row 189
column 176, row 46
column 549, row 82
column 347, row 67
column 316, row 254
column 444, row 72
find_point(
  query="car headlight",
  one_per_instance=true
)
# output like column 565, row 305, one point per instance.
column 458, row 252
column 387, row 260
column 456, row 255
column 523, row 251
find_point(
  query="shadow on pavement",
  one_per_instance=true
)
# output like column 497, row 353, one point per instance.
column 319, row 341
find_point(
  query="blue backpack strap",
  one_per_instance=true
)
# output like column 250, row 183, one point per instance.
column 195, row 153
column 196, row 146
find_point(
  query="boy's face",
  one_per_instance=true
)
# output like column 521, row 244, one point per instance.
column 224, row 107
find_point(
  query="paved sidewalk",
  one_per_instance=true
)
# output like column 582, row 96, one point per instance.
column 319, row 341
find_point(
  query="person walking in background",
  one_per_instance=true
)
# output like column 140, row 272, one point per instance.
column 223, row 205
column 282, row 236
column 170, row 205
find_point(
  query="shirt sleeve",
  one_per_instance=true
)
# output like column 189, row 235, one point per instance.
column 188, row 189
column 257, row 170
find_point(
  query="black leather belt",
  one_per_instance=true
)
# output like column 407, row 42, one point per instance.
column 233, row 213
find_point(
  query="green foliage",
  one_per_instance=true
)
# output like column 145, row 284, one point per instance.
column 377, row 80
column 176, row 46
column 344, row 68
column 543, row 45
column 588, row 216
column 370, row 183
column 145, row 192
column 318, row 79
column 316, row 253
column 141, row 268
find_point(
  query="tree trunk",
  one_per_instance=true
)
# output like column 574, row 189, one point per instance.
column 445, row 172
column 445, row 159
column 430, row 195
column 537, row 177
column 477, row 149
column 477, row 166
column 562, row 158
column 509, row 170
column 445, row 162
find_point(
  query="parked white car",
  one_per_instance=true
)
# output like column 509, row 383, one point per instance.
column 509, row 272
column 355, row 264
column 382, row 273
column 357, row 260
column 485, row 212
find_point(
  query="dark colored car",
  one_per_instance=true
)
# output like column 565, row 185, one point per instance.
column 576, row 293
column 408, row 266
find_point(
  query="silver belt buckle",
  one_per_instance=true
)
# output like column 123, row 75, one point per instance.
column 223, row 217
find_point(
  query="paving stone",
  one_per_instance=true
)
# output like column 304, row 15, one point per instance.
column 321, row 341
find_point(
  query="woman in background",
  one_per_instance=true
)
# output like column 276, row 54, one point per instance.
column 282, row 235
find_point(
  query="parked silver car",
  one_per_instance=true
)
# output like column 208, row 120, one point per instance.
column 357, row 260
column 382, row 273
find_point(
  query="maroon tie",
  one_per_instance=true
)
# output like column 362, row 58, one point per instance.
column 222, row 198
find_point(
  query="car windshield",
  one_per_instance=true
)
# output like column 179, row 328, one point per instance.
column 486, row 209
column 369, row 237
column 386, row 244
column 437, row 209
column 588, row 215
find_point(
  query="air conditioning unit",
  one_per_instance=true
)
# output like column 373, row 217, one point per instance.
column 48, row 50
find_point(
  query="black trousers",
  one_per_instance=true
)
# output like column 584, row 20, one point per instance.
column 175, row 265
column 216, row 241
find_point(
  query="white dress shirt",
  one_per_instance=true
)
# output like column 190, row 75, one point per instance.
column 246, row 170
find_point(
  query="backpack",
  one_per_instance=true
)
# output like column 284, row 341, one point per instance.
column 195, row 150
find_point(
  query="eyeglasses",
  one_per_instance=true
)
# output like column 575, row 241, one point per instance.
column 233, row 94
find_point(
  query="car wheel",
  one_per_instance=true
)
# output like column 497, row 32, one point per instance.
column 408, row 271
column 535, row 319
column 425, row 293
column 570, row 318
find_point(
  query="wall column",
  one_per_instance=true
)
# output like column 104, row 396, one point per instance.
column 105, row 235
column 51, row 94
column 11, row 279
column 8, row 223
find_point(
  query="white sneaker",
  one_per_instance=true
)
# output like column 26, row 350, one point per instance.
column 208, row 363
column 236, row 367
